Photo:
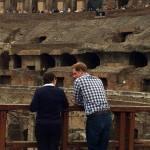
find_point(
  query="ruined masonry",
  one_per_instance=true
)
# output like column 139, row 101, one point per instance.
column 116, row 48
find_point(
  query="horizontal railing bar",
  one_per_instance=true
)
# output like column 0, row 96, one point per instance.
column 21, row 144
column 7, row 107
column 142, row 142
column 119, row 108
column 114, row 108
column 84, row 144
column 31, row 144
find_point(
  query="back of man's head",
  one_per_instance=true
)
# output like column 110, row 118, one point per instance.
column 80, row 66
column 48, row 77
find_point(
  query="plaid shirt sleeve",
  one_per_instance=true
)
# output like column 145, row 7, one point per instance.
column 77, row 93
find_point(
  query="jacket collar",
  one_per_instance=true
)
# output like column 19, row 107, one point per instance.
column 49, row 84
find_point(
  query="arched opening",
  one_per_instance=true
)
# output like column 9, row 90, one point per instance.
column 47, row 61
column 146, row 85
column 67, row 60
column 122, row 3
column 121, row 37
column 90, row 59
column 31, row 67
column 17, row 61
column 4, row 79
column 39, row 40
column 34, row 6
column 138, row 59
column 105, row 83
column 60, row 82
column 4, row 60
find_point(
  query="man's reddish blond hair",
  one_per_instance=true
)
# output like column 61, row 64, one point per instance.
column 80, row 66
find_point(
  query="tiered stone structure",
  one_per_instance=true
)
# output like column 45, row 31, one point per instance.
column 46, row 6
column 41, row 6
column 115, row 48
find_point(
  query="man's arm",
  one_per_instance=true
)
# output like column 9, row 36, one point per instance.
column 77, row 93
column 65, row 101
column 34, row 102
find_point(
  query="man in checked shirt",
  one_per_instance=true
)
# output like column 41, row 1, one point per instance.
column 89, row 93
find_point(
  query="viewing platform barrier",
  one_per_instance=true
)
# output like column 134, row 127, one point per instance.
column 125, row 128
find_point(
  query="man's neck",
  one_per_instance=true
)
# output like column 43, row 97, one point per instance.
column 83, row 73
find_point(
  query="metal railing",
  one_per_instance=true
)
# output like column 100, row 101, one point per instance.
column 125, row 128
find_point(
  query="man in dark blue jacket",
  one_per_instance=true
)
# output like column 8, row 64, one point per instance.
column 49, row 102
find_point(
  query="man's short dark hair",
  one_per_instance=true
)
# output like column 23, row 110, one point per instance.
column 48, row 77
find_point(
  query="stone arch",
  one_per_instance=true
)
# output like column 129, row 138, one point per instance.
column 105, row 82
column 17, row 61
column 39, row 39
column 122, row 3
column 146, row 85
column 4, row 60
column 34, row 6
column 138, row 59
column 47, row 61
column 121, row 36
column 60, row 82
column 67, row 59
column 92, row 60
column 5, row 79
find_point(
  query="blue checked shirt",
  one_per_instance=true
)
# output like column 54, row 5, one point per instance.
column 89, row 92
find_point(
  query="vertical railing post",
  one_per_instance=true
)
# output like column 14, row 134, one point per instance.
column 3, row 118
column 131, row 131
column 122, row 126
column 65, row 131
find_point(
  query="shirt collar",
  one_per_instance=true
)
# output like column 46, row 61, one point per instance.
column 86, row 74
column 49, row 84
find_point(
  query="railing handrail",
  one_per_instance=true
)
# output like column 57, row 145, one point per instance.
column 114, row 108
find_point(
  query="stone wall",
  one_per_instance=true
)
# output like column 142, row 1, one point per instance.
column 21, row 123
column 23, row 94
column 115, row 48
column 121, row 58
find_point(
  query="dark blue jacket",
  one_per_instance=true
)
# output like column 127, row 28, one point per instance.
column 49, row 102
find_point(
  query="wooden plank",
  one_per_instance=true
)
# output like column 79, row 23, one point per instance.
column 3, row 118
column 65, row 131
column 127, row 108
column 114, row 143
column 114, row 108
column 119, row 108
column 21, row 144
column 142, row 143
column 14, row 106
column 32, row 144
column 131, row 131
column 122, row 126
